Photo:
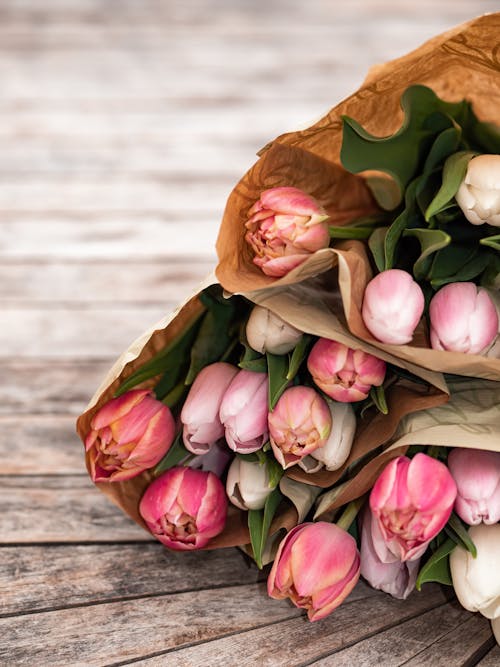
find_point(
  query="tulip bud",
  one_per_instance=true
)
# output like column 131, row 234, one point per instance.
column 463, row 318
column 129, row 434
column 243, row 412
column 393, row 304
column 381, row 569
column 247, row 484
column 412, row 500
column 267, row 332
column 184, row 508
column 337, row 448
column 479, row 193
column 200, row 413
column 316, row 566
column 477, row 476
column 477, row 580
column 284, row 227
column 299, row 424
column 344, row 374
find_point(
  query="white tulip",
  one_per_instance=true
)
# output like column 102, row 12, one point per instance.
column 479, row 193
column 247, row 484
column 338, row 446
column 477, row 580
column 267, row 332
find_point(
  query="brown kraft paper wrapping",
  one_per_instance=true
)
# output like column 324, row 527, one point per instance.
column 461, row 63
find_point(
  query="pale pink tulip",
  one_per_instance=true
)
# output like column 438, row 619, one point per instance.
column 200, row 413
column 243, row 412
column 316, row 566
column 463, row 318
column 285, row 226
column 185, row 508
column 477, row 475
column 267, row 332
column 412, row 500
column 128, row 435
column 299, row 424
column 393, row 304
column 381, row 569
column 345, row 374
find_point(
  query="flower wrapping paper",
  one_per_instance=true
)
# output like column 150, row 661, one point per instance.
column 323, row 295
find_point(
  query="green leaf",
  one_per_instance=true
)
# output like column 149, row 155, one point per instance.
column 175, row 395
column 259, row 522
column 487, row 135
column 298, row 355
column 258, row 365
column 431, row 240
column 377, row 394
column 175, row 455
column 456, row 530
column 213, row 339
column 251, row 458
column 348, row 232
column 376, row 243
column 437, row 568
column 166, row 361
column 274, row 471
column 444, row 145
column 491, row 242
column 408, row 218
column 400, row 155
column 475, row 264
column 454, row 171
column 277, row 368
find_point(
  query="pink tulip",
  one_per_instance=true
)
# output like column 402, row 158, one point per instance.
column 477, row 475
column 463, row 319
column 316, row 566
column 285, row 226
column 344, row 374
column 381, row 569
column 129, row 434
column 393, row 304
column 300, row 423
column 185, row 508
column 411, row 501
column 200, row 413
column 243, row 412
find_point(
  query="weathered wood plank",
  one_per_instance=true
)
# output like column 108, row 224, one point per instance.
column 408, row 640
column 100, row 237
column 53, row 577
column 98, row 283
column 61, row 509
column 304, row 642
column 463, row 645
column 491, row 659
column 55, row 388
column 113, row 632
column 47, row 445
column 79, row 333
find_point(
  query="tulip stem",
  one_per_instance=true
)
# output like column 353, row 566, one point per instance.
column 350, row 512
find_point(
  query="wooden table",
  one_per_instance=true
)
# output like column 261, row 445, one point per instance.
column 124, row 125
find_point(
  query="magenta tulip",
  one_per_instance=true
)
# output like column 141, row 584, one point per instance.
column 463, row 318
column 284, row 227
column 477, row 475
column 200, row 413
column 345, row 374
column 393, row 304
column 300, row 423
column 185, row 508
column 316, row 566
column 128, row 435
column 243, row 412
column 381, row 569
column 412, row 500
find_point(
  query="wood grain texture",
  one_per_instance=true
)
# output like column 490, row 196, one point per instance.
column 123, row 128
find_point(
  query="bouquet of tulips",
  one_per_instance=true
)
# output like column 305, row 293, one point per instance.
column 331, row 404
